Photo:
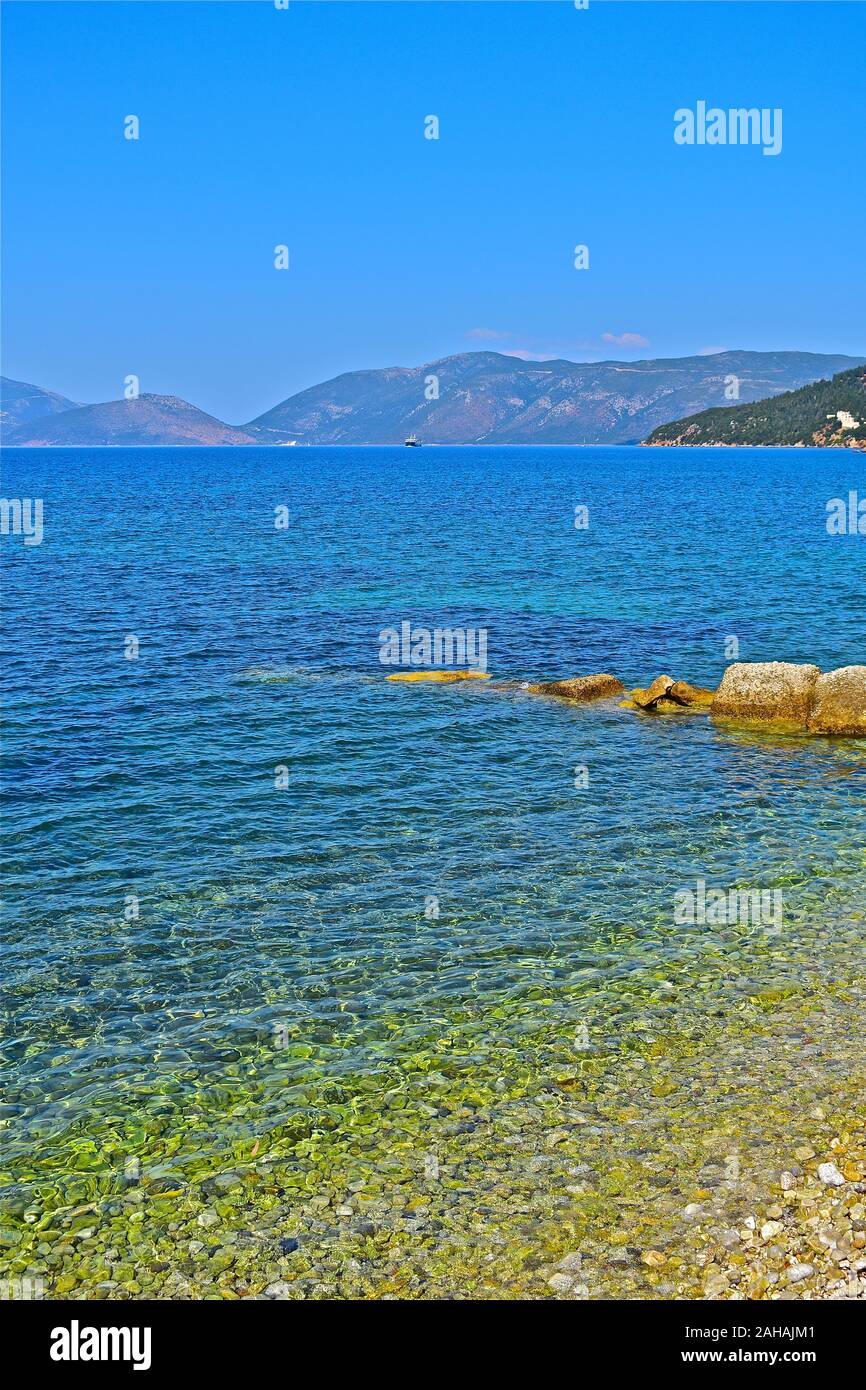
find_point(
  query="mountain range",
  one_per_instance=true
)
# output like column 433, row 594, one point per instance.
column 470, row 398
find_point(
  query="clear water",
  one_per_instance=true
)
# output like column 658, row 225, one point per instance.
column 281, row 983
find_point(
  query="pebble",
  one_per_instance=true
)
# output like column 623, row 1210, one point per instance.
column 561, row 1283
column 829, row 1174
column 799, row 1271
column 279, row 1290
column 208, row 1217
column 571, row 1262
column 716, row 1284
column 771, row 1229
column 729, row 1238
column 224, row 1182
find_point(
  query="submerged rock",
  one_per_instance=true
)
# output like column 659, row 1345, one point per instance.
column 771, row 691
column 561, row 1283
column 596, row 687
column 830, row 1175
column 839, row 702
column 439, row 677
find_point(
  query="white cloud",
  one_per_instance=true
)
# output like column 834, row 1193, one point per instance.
column 625, row 339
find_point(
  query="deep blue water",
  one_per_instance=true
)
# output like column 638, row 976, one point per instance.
column 303, row 907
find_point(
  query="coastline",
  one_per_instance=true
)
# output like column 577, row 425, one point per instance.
column 719, row 444
column 677, row 1158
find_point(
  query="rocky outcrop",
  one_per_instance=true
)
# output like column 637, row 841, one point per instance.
column 648, row 698
column 667, row 694
column 583, row 688
column 776, row 692
column 839, row 702
column 779, row 694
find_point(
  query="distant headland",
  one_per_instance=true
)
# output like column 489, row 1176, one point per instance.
column 824, row 414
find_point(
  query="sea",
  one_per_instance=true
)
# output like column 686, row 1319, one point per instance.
column 364, row 988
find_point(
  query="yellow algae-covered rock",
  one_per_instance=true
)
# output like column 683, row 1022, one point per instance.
column 839, row 702
column 648, row 698
column 580, row 687
column 439, row 677
column 666, row 705
column 778, row 692
column 687, row 694
column 668, row 694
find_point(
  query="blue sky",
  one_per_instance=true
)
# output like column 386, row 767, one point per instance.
column 306, row 127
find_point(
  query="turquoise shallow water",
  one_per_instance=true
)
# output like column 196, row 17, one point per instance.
column 281, row 964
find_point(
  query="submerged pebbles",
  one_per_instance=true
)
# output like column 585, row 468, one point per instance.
column 812, row 1243
column 660, row 1152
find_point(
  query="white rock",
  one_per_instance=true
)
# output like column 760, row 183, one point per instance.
column 279, row 1290
column 692, row 1210
column 561, row 1283
column 799, row 1271
column 771, row 1229
column 829, row 1174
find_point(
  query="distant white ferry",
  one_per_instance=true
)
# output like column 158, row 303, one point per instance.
column 412, row 442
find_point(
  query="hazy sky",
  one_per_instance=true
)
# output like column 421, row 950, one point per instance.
column 305, row 127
